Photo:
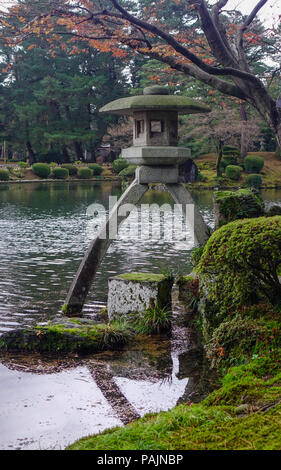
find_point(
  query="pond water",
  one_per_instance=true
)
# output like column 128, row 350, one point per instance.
column 46, row 403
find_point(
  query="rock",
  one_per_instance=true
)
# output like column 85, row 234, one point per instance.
column 188, row 172
column 273, row 210
column 136, row 292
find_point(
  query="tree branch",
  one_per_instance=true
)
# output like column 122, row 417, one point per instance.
column 220, row 48
column 227, row 71
column 243, row 28
column 227, row 88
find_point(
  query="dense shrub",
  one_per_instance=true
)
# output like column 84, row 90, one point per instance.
column 72, row 169
column 4, row 174
column 119, row 164
column 230, row 270
column 129, row 171
column 85, row 173
column 96, row 169
column 254, row 180
column 41, row 169
column 50, row 157
column 254, row 164
column 60, row 173
column 233, row 172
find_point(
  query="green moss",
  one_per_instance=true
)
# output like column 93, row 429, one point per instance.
column 141, row 277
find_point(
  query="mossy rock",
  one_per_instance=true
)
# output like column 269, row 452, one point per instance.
column 71, row 335
column 233, row 205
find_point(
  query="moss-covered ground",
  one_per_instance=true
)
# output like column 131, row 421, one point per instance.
column 271, row 173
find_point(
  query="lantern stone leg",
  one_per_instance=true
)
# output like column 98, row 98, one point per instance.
column 89, row 265
column 182, row 196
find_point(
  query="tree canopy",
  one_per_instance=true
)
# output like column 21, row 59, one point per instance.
column 233, row 54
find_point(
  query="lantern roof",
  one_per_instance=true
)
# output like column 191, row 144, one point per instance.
column 155, row 98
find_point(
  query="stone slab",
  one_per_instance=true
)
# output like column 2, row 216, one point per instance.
column 157, row 174
column 136, row 292
column 151, row 155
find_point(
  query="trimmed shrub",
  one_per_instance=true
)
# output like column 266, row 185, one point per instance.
column 230, row 150
column 119, row 164
column 60, row 173
column 4, row 174
column 233, row 172
column 85, row 173
column 231, row 272
column 129, row 171
column 254, row 164
column 228, row 160
column 72, row 169
column 233, row 205
column 42, row 170
column 97, row 169
column 254, row 180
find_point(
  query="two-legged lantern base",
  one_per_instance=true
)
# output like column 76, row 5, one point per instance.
column 99, row 246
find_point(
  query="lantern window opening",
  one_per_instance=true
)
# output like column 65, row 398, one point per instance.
column 156, row 127
column 139, row 127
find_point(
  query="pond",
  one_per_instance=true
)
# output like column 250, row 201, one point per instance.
column 46, row 403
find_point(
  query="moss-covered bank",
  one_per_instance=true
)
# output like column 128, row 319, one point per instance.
column 73, row 336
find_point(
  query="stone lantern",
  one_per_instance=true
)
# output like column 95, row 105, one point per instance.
column 155, row 149
column 155, row 131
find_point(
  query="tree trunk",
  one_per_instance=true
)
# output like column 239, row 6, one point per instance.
column 278, row 142
column 66, row 157
column 78, row 150
column 31, row 154
column 244, row 133
column 219, row 157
